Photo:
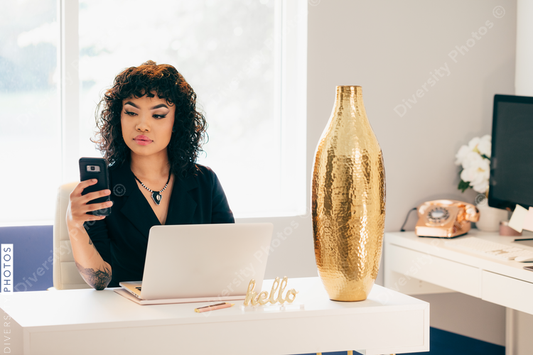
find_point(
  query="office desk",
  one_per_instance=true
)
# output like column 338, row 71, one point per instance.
column 415, row 265
column 103, row 322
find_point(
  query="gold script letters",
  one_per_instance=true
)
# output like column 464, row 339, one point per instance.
column 263, row 297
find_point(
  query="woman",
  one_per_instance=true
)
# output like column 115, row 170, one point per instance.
column 150, row 134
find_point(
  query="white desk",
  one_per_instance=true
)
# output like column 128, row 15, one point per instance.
column 415, row 265
column 103, row 322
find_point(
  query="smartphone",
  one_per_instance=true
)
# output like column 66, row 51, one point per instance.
column 96, row 168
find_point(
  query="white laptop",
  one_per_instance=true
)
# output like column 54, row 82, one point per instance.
column 201, row 262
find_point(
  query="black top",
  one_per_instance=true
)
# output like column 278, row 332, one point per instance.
column 122, row 237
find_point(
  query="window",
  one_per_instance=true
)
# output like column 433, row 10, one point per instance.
column 244, row 58
column 30, row 134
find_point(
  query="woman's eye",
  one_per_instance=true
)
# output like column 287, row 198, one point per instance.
column 159, row 116
column 129, row 113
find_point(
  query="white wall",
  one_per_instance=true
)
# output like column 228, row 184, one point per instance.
column 522, row 323
column 524, row 48
column 393, row 50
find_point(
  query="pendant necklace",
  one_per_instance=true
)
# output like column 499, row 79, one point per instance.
column 156, row 195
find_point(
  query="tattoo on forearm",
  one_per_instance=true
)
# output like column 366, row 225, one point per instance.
column 98, row 279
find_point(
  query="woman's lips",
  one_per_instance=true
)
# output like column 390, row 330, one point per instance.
column 142, row 140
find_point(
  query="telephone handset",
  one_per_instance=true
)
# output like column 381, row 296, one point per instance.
column 445, row 218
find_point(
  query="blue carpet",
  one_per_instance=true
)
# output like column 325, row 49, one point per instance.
column 442, row 342
column 446, row 343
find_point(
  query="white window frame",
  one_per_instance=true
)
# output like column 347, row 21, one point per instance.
column 291, row 95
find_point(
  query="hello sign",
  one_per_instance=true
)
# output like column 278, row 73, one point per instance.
column 263, row 297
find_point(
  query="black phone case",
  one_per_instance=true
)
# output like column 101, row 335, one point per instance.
column 103, row 182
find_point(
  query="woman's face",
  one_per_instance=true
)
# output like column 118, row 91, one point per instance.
column 147, row 124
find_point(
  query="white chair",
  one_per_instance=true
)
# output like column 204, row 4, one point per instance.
column 66, row 274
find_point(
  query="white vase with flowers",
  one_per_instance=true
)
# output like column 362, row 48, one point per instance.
column 474, row 159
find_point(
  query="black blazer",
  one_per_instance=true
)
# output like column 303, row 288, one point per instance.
column 122, row 237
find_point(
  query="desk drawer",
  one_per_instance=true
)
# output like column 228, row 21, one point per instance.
column 442, row 272
column 507, row 291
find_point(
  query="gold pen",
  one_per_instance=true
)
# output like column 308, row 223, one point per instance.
column 213, row 307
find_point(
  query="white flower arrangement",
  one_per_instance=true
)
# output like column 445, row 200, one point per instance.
column 475, row 161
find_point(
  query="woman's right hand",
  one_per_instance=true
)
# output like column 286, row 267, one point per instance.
column 79, row 204
column 94, row 270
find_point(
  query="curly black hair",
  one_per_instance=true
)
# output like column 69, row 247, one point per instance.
column 189, row 131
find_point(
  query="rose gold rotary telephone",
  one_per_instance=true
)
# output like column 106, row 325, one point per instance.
column 445, row 218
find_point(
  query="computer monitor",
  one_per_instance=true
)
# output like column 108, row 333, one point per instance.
column 511, row 166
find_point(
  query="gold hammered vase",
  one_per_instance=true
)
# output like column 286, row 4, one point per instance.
column 348, row 200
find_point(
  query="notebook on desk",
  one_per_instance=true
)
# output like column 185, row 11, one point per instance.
column 204, row 262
